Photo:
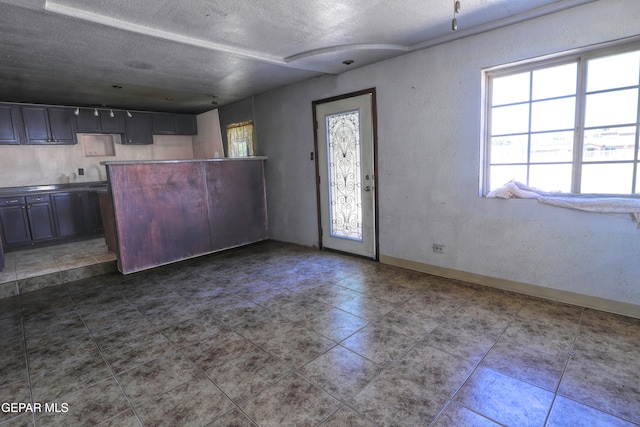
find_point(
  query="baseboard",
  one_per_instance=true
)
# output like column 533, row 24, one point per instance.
column 596, row 303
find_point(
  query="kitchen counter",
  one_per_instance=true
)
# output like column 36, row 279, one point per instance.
column 53, row 188
column 158, row 212
column 143, row 162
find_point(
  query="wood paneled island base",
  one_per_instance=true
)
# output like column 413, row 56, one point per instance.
column 160, row 212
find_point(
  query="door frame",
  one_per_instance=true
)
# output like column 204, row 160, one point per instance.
column 374, row 123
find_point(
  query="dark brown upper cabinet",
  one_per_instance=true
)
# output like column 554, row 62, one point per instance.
column 88, row 122
column 138, row 128
column 49, row 125
column 174, row 124
column 10, row 124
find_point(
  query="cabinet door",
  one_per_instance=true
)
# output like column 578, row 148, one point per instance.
column 40, row 221
column 113, row 124
column 186, row 124
column 36, row 125
column 9, row 124
column 138, row 129
column 174, row 124
column 63, row 126
column 15, row 224
column 40, row 217
column 164, row 124
column 69, row 212
column 95, row 214
column 86, row 121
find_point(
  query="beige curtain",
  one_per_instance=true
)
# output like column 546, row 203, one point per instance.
column 241, row 139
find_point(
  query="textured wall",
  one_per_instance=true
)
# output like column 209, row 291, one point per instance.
column 429, row 125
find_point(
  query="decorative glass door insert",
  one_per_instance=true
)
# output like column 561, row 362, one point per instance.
column 346, row 181
column 343, row 140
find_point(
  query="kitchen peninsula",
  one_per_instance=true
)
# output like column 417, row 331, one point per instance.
column 158, row 212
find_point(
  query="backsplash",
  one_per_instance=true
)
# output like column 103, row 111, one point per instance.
column 22, row 165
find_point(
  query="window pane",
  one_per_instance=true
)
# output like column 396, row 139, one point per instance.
column 510, row 89
column 552, row 147
column 509, row 149
column 555, row 81
column 613, row 71
column 609, row 144
column 614, row 178
column 500, row 175
column 507, row 120
column 553, row 115
column 551, row 177
column 612, row 108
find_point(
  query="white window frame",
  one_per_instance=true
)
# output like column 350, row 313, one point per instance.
column 579, row 56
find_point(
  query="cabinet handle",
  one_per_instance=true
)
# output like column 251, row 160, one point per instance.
column 13, row 201
column 24, row 207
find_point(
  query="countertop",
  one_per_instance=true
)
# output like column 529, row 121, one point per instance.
column 53, row 188
column 224, row 159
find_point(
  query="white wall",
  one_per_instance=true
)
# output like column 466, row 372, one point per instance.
column 22, row 165
column 429, row 114
column 207, row 144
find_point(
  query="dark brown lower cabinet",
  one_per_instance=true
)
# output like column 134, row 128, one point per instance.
column 15, row 224
column 26, row 219
column 41, row 221
column 49, row 218
column 70, row 212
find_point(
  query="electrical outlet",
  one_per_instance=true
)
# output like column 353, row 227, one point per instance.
column 438, row 248
column 80, row 171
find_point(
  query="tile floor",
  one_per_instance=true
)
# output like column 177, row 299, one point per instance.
column 278, row 335
column 33, row 269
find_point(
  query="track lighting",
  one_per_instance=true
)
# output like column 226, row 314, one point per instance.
column 95, row 112
column 77, row 111
column 456, row 10
column 111, row 114
column 129, row 114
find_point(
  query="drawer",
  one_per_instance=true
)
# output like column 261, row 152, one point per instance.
column 6, row 201
column 38, row 198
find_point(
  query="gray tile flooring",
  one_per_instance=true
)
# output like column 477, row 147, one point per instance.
column 279, row 335
column 33, row 269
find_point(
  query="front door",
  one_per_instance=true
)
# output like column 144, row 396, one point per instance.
column 346, row 182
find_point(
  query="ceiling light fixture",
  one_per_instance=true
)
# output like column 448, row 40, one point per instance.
column 129, row 114
column 111, row 114
column 456, row 10
column 77, row 111
column 95, row 112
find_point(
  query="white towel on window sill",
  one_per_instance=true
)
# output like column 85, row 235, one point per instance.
column 514, row 189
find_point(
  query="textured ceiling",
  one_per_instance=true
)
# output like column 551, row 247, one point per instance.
column 196, row 55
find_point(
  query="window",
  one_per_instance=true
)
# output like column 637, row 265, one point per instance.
column 568, row 125
column 241, row 140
